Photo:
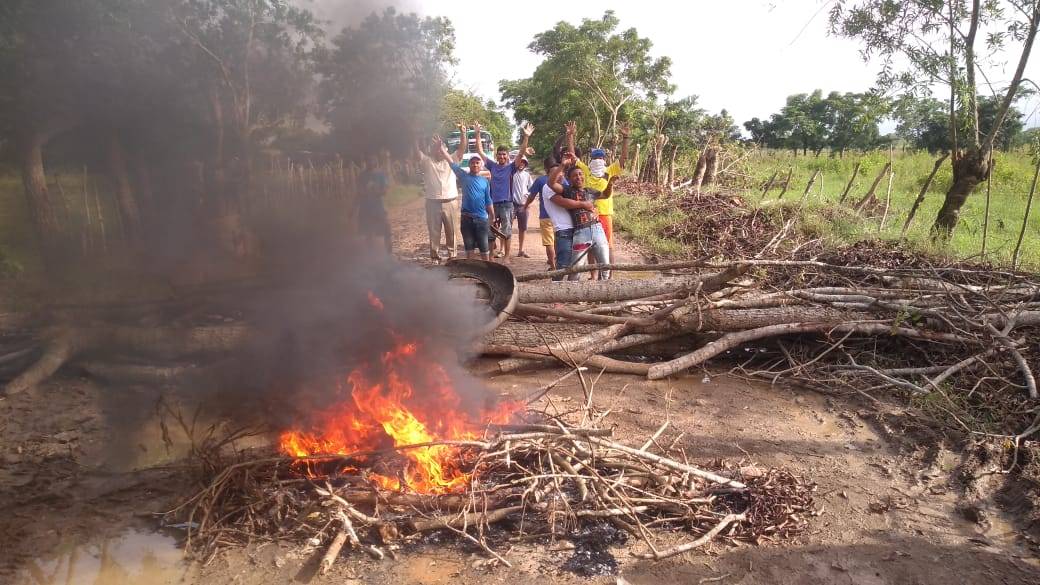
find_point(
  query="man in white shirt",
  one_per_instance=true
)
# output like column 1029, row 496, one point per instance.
column 441, row 192
column 522, row 181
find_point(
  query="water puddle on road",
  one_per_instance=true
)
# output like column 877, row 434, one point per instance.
column 135, row 557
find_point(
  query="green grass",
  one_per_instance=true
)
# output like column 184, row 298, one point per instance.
column 820, row 214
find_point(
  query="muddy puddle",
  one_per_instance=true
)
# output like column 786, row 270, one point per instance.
column 134, row 557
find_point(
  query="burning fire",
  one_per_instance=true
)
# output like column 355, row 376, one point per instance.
column 406, row 399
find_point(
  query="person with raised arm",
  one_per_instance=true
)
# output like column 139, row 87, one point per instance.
column 600, row 177
column 441, row 192
column 502, row 181
column 477, row 209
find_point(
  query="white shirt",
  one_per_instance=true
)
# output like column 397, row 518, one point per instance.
column 561, row 218
column 438, row 179
column 522, row 181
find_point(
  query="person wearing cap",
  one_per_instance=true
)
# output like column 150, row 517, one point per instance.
column 502, row 181
column 478, row 213
column 522, row 181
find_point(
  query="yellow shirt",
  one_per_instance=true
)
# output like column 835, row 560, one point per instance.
column 603, row 206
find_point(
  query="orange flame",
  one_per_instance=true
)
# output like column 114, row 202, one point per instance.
column 409, row 401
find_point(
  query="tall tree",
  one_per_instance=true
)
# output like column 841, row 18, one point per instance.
column 383, row 81
column 940, row 40
column 462, row 106
column 590, row 71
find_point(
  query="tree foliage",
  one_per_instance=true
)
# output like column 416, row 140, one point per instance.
column 947, row 42
column 462, row 106
column 811, row 123
column 383, row 81
column 589, row 72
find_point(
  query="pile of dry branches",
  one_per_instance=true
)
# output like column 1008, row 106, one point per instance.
column 548, row 480
column 965, row 336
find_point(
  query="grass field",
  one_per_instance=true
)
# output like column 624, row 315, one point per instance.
column 820, row 214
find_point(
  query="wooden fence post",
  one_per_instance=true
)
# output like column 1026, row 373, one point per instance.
column 1025, row 217
column 808, row 186
column 870, row 194
column 852, row 180
column 920, row 196
column 787, row 183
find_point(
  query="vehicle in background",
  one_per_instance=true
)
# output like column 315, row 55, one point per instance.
column 471, row 149
column 452, row 143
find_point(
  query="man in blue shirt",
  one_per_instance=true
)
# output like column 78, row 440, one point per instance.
column 477, row 209
column 502, row 181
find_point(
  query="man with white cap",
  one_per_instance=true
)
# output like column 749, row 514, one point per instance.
column 522, row 181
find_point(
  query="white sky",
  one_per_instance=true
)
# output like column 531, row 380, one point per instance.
column 743, row 55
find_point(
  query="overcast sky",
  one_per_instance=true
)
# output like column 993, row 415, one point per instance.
column 743, row 55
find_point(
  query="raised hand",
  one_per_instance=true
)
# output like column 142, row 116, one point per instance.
column 626, row 130
column 476, row 127
column 571, row 128
column 527, row 129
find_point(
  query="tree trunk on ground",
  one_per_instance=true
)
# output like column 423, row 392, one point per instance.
column 969, row 169
column 128, row 207
column 622, row 289
column 525, row 334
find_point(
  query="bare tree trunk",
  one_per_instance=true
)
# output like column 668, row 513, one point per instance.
column 41, row 208
column 671, row 167
column 712, row 166
column 128, row 208
column 969, row 170
column 622, row 290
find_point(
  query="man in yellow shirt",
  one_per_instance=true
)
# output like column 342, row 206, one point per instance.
column 598, row 176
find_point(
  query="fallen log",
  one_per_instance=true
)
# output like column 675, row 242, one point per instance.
column 62, row 345
column 622, row 290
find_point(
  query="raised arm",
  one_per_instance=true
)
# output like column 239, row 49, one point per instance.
column 480, row 142
column 442, row 150
column 626, row 130
column 571, row 130
column 526, row 130
column 463, row 142
column 555, row 180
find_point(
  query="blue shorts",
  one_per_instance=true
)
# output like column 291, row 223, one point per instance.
column 564, row 242
column 504, row 212
column 474, row 233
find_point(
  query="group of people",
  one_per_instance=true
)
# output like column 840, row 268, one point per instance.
column 575, row 199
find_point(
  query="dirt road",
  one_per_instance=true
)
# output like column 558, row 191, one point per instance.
column 891, row 501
